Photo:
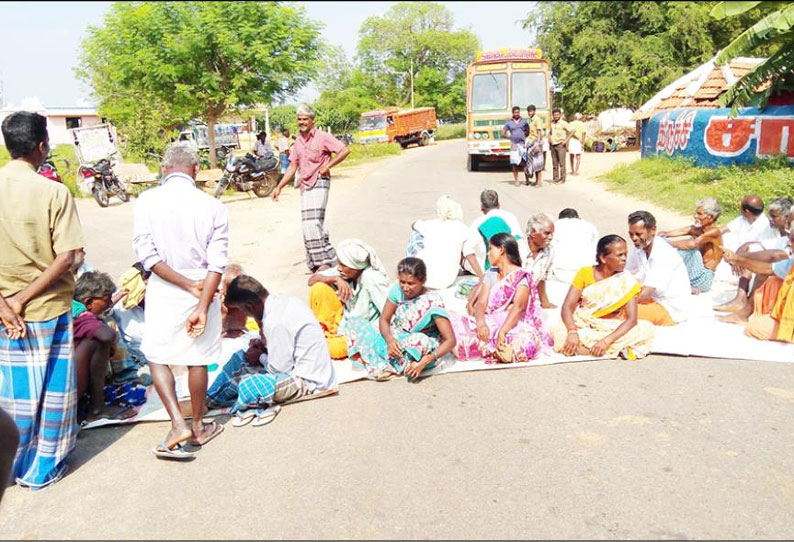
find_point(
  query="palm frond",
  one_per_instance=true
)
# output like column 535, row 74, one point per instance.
column 775, row 23
column 744, row 91
column 729, row 9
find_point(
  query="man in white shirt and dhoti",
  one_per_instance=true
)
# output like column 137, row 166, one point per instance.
column 181, row 234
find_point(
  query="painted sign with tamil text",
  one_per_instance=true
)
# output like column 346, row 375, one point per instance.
column 713, row 138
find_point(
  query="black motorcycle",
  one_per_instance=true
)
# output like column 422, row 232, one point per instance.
column 249, row 173
column 106, row 183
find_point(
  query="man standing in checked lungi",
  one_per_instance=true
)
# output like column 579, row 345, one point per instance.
column 311, row 157
column 182, row 234
column 40, row 235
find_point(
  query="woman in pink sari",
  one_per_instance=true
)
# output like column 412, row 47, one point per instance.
column 507, row 325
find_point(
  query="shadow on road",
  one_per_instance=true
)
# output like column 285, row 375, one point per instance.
column 91, row 442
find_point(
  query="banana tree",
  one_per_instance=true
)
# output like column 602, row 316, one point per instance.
column 775, row 28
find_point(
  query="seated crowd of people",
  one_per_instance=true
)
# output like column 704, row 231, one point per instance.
column 476, row 291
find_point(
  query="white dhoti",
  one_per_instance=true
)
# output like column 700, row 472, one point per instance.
column 165, row 339
column 574, row 146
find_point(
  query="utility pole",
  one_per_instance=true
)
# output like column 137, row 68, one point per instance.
column 267, row 120
column 412, row 83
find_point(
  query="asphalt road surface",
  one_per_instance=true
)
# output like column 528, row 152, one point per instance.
column 664, row 447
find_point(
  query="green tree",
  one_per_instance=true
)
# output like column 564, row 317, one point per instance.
column 416, row 36
column 282, row 116
column 197, row 59
column 774, row 32
column 606, row 53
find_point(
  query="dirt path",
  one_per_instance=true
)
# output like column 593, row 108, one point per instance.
column 661, row 448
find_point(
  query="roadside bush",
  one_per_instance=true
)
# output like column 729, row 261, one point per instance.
column 451, row 131
column 677, row 184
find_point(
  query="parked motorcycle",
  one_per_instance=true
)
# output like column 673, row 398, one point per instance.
column 106, row 183
column 249, row 174
column 48, row 169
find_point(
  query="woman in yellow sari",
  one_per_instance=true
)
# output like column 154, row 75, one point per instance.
column 599, row 314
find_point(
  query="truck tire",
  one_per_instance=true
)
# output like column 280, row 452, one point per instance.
column 424, row 139
column 473, row 163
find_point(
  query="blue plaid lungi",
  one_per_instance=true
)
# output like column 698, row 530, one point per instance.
column 242, row 387
column 700, row 276
column 38, row 388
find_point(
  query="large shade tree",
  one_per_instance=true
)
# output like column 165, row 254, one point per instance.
column 196, row 59
column 773, row 31
column 621, row 53
column 416, row 39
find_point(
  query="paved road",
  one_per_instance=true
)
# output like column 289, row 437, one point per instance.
column 661, row 448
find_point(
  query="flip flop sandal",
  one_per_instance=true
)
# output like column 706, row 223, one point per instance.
column 265, row 416
column 244, row 417
column 177, row 453
column 216, row 430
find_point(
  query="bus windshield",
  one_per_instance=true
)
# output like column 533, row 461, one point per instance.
column 529, row 88
column 489, row 91
column 368, row 124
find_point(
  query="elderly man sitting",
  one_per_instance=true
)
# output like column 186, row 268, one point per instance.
column 702, row 251
column 297, row 361
column 781, row 213
column 540, row 231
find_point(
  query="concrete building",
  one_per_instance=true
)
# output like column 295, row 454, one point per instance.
column 59, row 120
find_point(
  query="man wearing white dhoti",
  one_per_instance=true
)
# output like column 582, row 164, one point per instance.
column 182, row 235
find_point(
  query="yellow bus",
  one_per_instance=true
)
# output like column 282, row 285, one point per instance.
column 495, row 82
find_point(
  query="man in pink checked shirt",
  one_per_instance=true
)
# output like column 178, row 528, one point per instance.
column 311, row 156
column 182, row 235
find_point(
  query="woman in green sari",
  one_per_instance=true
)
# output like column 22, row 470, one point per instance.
column 414, row 328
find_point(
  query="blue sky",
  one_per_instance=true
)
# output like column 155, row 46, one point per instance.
column 40, row 41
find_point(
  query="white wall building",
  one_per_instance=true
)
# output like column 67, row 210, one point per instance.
column 59, row 119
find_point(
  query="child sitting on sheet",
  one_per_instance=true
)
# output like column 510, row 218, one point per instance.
column 93, row 341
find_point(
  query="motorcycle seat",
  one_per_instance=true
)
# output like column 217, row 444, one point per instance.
column 265, row 164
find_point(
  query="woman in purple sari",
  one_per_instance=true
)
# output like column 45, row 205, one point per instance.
column 507, row 325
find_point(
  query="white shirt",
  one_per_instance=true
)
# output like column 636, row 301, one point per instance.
column 282, row 144
column 296, row 343
column 180, row 225
column 475, row 245
column 574, row 246
column 743, row 231
column 777, row 243
column 443, row 245
column 666, row 273
column 261, row 149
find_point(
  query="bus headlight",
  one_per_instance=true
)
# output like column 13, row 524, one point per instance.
column 476, row 135
column 484, row 135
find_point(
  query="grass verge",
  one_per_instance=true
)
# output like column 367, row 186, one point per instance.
column 363, row 153
column 675, row 183
column 451, row 131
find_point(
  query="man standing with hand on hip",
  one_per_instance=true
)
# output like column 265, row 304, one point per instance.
column 311, row 156
column 181, row 234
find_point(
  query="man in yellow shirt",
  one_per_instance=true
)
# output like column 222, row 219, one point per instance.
column 576, row 144
column 560, row 134
column 40, row 235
